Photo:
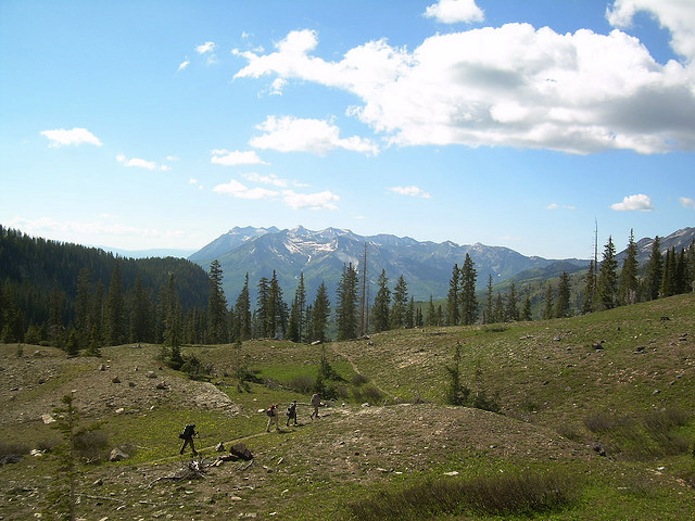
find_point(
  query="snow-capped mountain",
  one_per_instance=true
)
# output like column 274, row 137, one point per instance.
column 321, row 256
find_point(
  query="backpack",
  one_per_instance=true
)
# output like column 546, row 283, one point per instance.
column 270, row 412
column 188, row 432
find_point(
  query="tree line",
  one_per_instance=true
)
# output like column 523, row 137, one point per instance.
column 61, row 295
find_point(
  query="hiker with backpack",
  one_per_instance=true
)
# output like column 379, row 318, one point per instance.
column 272, row 413
column 316, row 403
column 292, row 413
column 187, row 437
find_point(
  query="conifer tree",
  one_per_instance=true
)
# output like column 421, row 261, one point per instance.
column 526, row 313
column 431, row 314
column 382, row 304
column 399, row 307
column 654, row 271
column 141, row 327
column 261, row 316
column 589, row 296
column 296, row 326
column 548, row 307
column 562, row 306
column 242, row 313
column 511, row 310
column 489, row 302
column 468, row 299
column 629, row 285
column 608, row 277
column 346, row 310
column 320, row 313
column 452, row 301
column 217, row 306
column 668, row 280
column 114, row 310
column 277, row 309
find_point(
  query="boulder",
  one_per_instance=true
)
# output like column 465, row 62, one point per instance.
column 118, row 454
column 241, row 451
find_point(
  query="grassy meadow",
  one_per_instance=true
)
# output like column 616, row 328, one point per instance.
column 571, row 432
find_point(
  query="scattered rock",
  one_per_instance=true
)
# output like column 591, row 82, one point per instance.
column 151, row 374
column 161, row 385
column 219, row 447
column 116, row 380
column 47, row 419
column 118, row 454
column 241, row 451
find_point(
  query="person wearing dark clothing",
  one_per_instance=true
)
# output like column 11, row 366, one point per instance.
column 292, row 413
column 187, row 437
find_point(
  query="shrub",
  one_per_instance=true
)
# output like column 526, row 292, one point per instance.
column 92, row 445
column 521, row 493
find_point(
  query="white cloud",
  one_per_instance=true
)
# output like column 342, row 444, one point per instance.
column 234, row 158
column 184, row 65
column 205, row 48
column 136, row 162
column 678, row 16
column 410, row 191
column 289, row 134
column 270, row 179
column 75, row 136
column 454, row 11
column 317, row 201
column 241, row 191
column 634, row 203
column 555, row 206
column 687, row 202
column 512, row 85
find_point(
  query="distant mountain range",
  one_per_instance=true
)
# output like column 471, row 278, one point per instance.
column 321, row 255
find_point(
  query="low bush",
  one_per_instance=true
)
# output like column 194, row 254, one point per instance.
column 92, row 445
column 521, row 493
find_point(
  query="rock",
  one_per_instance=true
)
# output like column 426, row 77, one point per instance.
column 116, row 380
column 131, row 384
column 102, row 367
column 47, row 419
column 241, row 451
column 151, row 374
column 161, row 385
column 118, row 455
column 219, row 447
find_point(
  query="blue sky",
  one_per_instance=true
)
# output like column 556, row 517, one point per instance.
column 152, row 124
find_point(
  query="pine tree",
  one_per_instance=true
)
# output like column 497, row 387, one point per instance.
column 277, row 309
column 452, row 300
column 562, row 306
column 654, row 271
column 431, row 314
column 320, row 313
column 668, row 280
column 346, row 310
column 217, row 306
column 511, row 310
column 242, row 313
column 589, row 300
column 526, row 314
column 382, row 305
column 629, row 285
column 548, row 308
column 114, row 310
column 489, row 302
column 262, row 309
column 296, row 327
column 468, row 299
column 399, row 307
column 141, row 327
column 608, row 277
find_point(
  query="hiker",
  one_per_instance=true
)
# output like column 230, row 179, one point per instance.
column 316, row 402
column 292, row 413
column 272, row 413
column 187, row 437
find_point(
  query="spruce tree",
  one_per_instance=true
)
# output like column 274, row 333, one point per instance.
column 217, row 306
column 382, row 304
column 399, row 307
column 114, row 310
column 608, row 277
column 452, row 301
column 489, row 302
column 548, row 308
column 346, row 310
column 629, row 285
column 511, row 310
column 242, row 313
column 526, row 313
column 562, row 306
column 654, row 271
column 468, row 299
column 296, row 326
column 320, row 313
column 589, row 296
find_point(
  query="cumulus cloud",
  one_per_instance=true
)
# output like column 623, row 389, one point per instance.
column 184, row 65
column 678, row 16
column 75, row 136
column 513, row 85
column 634, row 203
column 687, row 202
column 410, row 191
column 289, row 134
column 136, row 162
column 234, row 158
column 205, row 48
column 454, row 11
column 317, row 201
column 241, row 191
column 270, row 179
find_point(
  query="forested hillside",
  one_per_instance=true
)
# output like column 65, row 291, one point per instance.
column 49, row 290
